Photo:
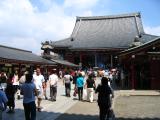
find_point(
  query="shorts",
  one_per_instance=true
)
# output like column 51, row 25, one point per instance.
column 39, row 94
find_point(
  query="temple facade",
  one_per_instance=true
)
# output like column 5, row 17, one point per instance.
column 111, row 41
column 96, row 41
column 141, row 66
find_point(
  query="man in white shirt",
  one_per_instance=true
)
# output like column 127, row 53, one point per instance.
column 38, row 79
column 67, row 82
column 53, row 80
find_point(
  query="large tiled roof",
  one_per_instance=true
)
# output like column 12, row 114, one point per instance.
column 116, row 31
column 14, row 54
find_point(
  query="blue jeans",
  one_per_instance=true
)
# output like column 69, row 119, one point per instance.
column 68, row 89
column 30, row 110
column 1, row 114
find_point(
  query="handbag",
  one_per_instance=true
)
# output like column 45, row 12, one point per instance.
column 75, row 92
column 71, row 78
column 84, row 94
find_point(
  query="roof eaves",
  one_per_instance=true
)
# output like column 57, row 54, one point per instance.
column 15, row 49
column 149, row 34
column 61, row 46
column 97, row 48
column 43, row 62
column 130, row 50
column 64, row 62
column 109, row 16
column 61, row 40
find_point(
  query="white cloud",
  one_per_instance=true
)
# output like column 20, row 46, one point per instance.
column 87, row 13
column 26, row 23
column 22, row 25
column 30, row 44
column 80, row 4
column 152, row 30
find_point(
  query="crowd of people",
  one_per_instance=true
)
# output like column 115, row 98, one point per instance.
column 33, row 85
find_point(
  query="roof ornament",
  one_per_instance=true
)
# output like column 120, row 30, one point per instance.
column 72, row 39
column 46, row 45
column 136, row 41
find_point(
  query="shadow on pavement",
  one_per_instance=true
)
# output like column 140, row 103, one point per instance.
column 45, row 115
column 137, row 118
column 66, row 116
column 19, row 115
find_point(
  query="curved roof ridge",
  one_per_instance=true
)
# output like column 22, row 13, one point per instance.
column 136, row 14
column 149, row 34
column 61, row 40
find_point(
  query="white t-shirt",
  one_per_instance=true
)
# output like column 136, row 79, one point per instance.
column 67, row 78
column 38, row 80
column 53, row 79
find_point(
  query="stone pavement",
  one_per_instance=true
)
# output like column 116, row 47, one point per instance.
column 137, row 105
column 139, row 92
column 81, row 111
column 51, row 109
column 137, row 108
column 127, row 105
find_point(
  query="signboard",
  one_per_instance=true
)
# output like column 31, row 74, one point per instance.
column 8, row 65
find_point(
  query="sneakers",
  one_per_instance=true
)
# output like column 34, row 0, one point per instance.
column 46, row 98
column 40, row 109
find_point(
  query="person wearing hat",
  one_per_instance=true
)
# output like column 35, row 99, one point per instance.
column 53, row 81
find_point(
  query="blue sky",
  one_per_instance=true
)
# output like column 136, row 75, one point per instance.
column 26, row 23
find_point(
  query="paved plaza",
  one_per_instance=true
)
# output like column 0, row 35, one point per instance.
column 51, row 109
column 138, row 106
column 128, row 105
